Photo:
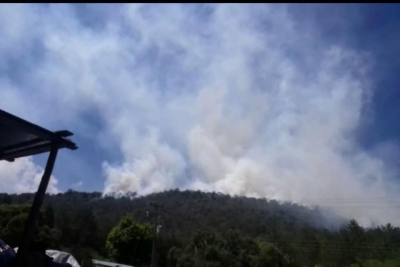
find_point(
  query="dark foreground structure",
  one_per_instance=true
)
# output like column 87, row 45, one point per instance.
column 20, row 138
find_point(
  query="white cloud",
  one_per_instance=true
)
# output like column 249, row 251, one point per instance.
column 23, row 176
column 237, row 100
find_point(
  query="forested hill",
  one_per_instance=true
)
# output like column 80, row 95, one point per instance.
column 185, row 212
column 198, row 229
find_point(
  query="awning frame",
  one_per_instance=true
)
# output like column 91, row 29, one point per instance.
column 20, row 138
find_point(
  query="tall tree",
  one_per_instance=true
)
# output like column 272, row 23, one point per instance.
column 130, row 242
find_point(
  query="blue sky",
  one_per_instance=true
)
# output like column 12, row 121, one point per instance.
column 291, row 102
column 371, row 28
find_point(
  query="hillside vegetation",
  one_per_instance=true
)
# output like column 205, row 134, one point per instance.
column 198, row 229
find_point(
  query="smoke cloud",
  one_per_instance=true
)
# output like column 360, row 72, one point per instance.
column 228, row 98
column 23, row 176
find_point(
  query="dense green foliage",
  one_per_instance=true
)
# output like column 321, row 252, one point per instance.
column 126, row 235
column 199, row 229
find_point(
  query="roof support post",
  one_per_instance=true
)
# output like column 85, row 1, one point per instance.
column 34, row 212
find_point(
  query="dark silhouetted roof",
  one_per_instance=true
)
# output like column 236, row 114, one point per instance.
column 20, row 138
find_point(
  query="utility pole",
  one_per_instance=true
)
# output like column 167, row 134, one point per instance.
column 134, row 252
column 156, row 226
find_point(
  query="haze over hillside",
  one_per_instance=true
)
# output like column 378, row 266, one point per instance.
column 186, row 212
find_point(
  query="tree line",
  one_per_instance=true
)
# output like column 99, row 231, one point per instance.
column 198, row 229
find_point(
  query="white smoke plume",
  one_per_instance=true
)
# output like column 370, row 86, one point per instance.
column 23, row 176
column 231, row 98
